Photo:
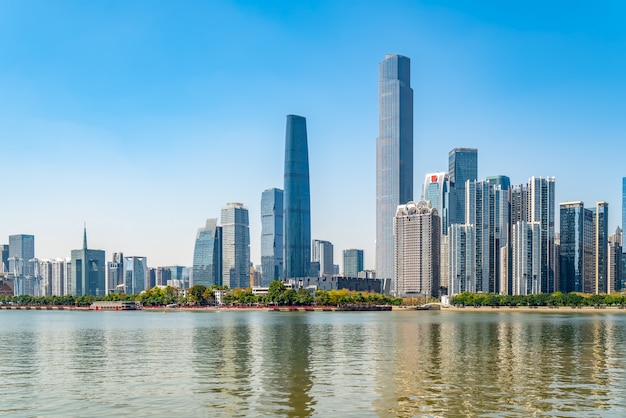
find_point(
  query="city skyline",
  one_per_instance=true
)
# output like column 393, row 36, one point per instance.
column 537, row 91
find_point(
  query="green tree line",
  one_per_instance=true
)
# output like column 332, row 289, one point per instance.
column 540, row 299
column 199, row 295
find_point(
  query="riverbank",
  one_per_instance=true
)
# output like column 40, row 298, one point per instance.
column 544, row 309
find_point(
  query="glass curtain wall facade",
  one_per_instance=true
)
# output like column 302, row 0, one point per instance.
column 297, row 199
column 436, row 190
column 623, row 207
column 235, row 246
column 462, row 166
column 602, row 246
column 394, row 154
column 21, row 261
column 88, row 271
column 136, row 278
column 272, row 224
column 352, row 262
column 541, row 210
column 323, row 253
column 571, row 251
column 207, row 255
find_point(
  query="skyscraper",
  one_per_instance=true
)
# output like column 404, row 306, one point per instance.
column 623, row 207
column 416, row 252
column 322, row 253
column 136, row 278
column 207, row 255
column 394, row 154
column 352, row 262
column 462, row 166
column 571, row 252
column 88, row 271
column 4, row 249
column 526, row 258
column 235, row 246
column 615, row 262
column 272, row 224
column 436, row 190
column 602, row 246
column 297, row 195
column 462, row 261
column 541, row 210
column 22, row 262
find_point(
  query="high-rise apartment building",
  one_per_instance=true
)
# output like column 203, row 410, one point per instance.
column 58, row 277
column 417, row 232
column 45, row 278
column 322, row 253
column 541, row 210
column 235, row 246
column 462, row 166
column 615, row 262
column 136, row 275
column 297, row 200
column 461, row 259
column 601, row 247
column 352, row 262
column 88, row 271
column 207, row 255
column 272, row 224
column 526, row 258
column 394, row 154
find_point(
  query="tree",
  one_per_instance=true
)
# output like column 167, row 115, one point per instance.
column 275, row 291
column 196, row 295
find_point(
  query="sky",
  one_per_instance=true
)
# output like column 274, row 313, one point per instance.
column 141, row 119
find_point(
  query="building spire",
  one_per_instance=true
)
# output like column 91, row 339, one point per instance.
column 85, row 236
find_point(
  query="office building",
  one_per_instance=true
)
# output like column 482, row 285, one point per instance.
column 436, row 190
column 601, row 237
column 462, row 166
column 589, row 251
column 352, row 262
column 297, row 200
column 115, row 273
column 417, row 232
column 623, row 206
column 272, row 224
column 322, row 253
column 207, row 255
column 136, row 275
column 235, row 246
column 571, row 246
column 88, row 271
column 394, row 154
column 22, row 263
column 4, row 249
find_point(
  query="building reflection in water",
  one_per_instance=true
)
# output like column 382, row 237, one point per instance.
column 520, row 364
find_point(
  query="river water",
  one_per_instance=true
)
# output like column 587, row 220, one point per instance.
column 325, row 364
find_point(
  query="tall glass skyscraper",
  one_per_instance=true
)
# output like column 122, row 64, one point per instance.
column 207, row 255
column 394, row 154
column 323, row 253
column 571, row 252
column 462, row 166
column 272, row 224
column 437, row 192
column 235, row 246
column 297, row 197
column 135, row 275
column 602, row 246
column 623, row 207
column 541, row 209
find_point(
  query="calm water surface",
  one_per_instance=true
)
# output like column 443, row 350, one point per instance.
column 322, row 364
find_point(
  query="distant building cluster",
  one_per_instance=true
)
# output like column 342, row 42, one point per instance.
column 463, row 234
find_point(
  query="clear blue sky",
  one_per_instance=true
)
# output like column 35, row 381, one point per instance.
column 143, row 118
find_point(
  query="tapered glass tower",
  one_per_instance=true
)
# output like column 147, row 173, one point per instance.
column 394, row 154
column 207, row 255
column 297, row 200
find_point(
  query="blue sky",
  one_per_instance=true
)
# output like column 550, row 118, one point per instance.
column 144, row 118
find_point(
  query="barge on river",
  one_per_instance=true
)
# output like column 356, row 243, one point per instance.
column 118, row 305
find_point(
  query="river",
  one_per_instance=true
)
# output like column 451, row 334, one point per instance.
column 325, row 364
